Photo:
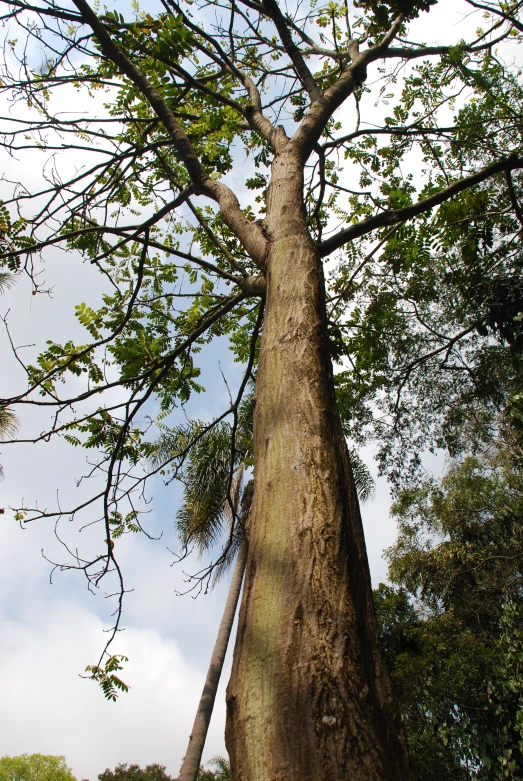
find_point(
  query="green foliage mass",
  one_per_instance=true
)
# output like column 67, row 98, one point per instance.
column 452, row 622
column 126, row 772
column 35, row 767
column 434, row 330
column 155, row 772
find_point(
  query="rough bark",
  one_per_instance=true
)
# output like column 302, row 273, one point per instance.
column 192, row 759
column 309, row 697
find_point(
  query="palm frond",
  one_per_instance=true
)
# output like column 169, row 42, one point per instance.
column 210, row 506
column 204, row 512
column 7, row 280
column 236, row 516
column 363, row 479
column 8, row 427
column 172, row 443
column 223, row 768
column 8, row 422
column 245, row 427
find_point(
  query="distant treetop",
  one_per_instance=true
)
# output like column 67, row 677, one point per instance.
column 35, row 767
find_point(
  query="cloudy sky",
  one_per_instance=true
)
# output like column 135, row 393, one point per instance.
column 49, row 633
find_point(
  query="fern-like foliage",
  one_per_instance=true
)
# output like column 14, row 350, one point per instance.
column 7, row 280
column 212, row 476
column 8, row 427
column 106, row 676
column 362, row 477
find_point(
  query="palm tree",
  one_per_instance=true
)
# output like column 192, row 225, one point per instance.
column 215, row 501
column 193, row 755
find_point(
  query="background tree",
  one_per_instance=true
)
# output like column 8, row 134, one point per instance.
column 35, row 767
column 155, row 772
column 126, row 772
column 309, row 695
column 451, row 624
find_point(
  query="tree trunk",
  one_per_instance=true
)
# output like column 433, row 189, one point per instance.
column 309, row 697
column 192, row 759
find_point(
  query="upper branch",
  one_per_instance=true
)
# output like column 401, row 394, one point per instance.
column 394, row 216
column 505, row 13
column 56, row 13
column 175, row 130
column 322, row 110
column 248, row 232
column 405, row 53
column 273, row 11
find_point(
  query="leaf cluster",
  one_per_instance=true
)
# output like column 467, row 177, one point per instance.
column 106, row 677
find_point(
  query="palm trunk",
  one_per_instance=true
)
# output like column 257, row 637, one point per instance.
column 309, row 697
column 191, row 762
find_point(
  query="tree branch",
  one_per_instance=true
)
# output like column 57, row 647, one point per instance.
column 430, row 51
column 388, row 131
column 311, row 127
column 175, row 130
column 393, row 216
column 273, row 12
column 499, row 12
column 247, row 231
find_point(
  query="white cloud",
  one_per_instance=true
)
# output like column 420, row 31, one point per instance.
column 49, row 709
column 49, row 635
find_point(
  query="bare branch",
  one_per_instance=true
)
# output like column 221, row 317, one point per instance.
column 273, row 11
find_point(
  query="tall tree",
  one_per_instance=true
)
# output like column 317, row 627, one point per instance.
column 309, row 696
column 213, row 504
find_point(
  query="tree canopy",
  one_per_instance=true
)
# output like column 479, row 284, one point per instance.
column 126, row 772
column 451, row 624
column 35, row 767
